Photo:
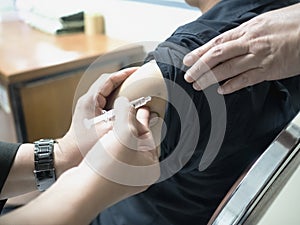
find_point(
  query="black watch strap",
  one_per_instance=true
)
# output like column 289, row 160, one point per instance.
column 44, row 163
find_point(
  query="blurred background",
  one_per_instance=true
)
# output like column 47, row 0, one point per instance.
column 130, row 20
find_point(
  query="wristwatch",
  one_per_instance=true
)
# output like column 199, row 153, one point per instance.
column 44, row 170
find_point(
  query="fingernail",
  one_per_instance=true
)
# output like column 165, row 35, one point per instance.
column 188, row 77
column 188, row 60
column 196, row 87
column 221, row 90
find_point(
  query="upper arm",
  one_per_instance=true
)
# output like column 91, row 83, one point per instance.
column 146, row 81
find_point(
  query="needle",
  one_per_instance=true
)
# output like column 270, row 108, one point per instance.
column 109, row 115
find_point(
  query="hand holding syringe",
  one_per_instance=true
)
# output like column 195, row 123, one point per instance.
column 109, row 115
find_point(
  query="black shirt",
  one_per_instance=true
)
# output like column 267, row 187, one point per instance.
column 7, row 156
column 253, row 117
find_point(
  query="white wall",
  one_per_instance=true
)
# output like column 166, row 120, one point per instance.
column 127, row 20
column 136, row 22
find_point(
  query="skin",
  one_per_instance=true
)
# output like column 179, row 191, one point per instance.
column 74, row 145
column 203, row 5
column 93, row 187
column 257, row 50
column 146, row 81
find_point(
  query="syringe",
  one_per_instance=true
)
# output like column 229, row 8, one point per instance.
column 109, row 115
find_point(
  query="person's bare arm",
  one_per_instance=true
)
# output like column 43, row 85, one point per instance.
column 264, row 48
column 146, row 81
column 83, row 191
column 74, row 145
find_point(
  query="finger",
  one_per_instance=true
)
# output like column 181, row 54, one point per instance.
column 114, row 80
column 122, row 110
column 128, row 130
column 224, row 52
column 146, row 140
column 154, row 119
column 196, row 71
column 107, row 83
column 143, row 116
column 225, row 70
column 122, row 125
column 215, row 56
column 92, row 98
column 194, row 55
column 126, row 114
column 246, row 79
column 103, row 127
column 101, row 100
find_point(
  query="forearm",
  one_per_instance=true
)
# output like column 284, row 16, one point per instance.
column 80, row 194
column 21, row 178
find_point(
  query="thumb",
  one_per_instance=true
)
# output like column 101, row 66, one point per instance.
column 132, row 126
column 145, row 138
column 142, row 120
column 126, row 121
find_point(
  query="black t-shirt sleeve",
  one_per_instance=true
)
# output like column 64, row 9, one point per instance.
column 187, row 110
column 7, row 155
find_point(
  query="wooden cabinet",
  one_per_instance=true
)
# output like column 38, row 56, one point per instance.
column 47, row 106
column 40, row 73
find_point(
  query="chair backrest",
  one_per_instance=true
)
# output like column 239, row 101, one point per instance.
column 250, row 196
